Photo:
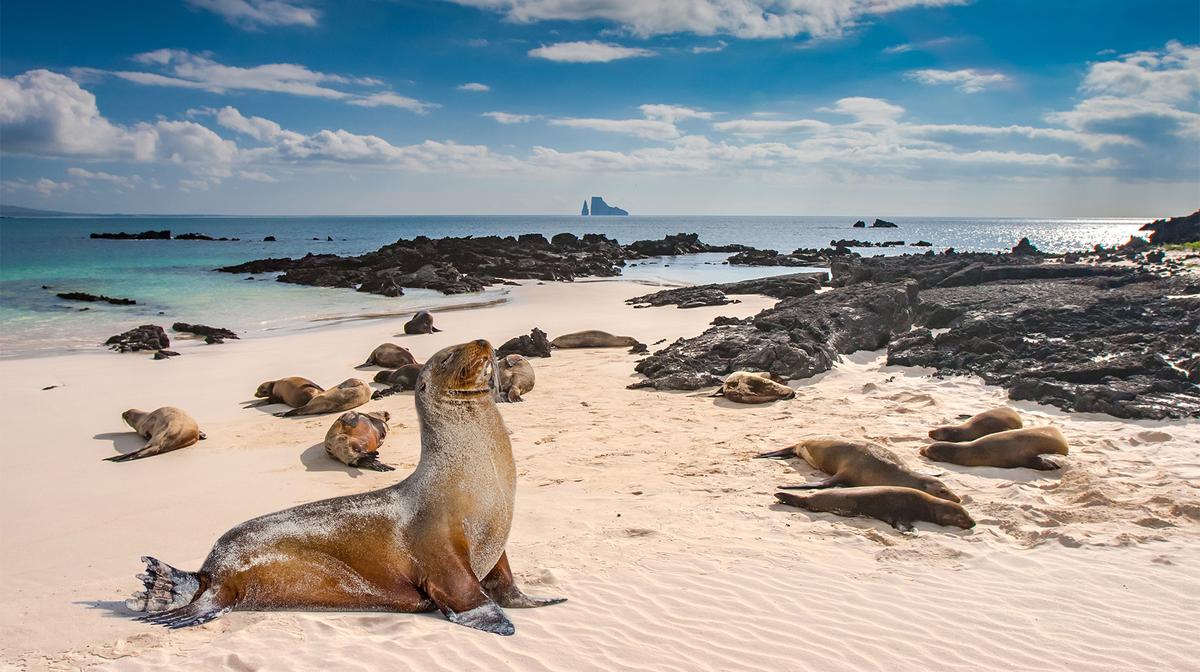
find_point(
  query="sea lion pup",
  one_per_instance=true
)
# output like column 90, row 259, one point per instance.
column 989, row 422
column 516, row 377
column 354, row 439
column 167, row 428
column 1014, row 448
column 433, row 541
column 858, row 463
column 348, row 394
column 898, row 507
column 753, row 387
column 404, row 378
column 389, row 356
column 594, row 339
column 293, row 391
column 421, row 323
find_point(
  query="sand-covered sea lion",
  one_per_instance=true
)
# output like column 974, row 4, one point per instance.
column 354, row 439
column 753, row 387
column 348, row 394
column 166, row 429
column 593, row 339
column 433, row 541
column 898, row 507
column 404, row 377
column 1014, row 448
column 989, row 422
column 389, row 356
column 858, row 463
column 293, row 391
column 421, row 323
column 516, row 377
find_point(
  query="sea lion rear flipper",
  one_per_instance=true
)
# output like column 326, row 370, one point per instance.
column 203, row 436
column 205, row 608
column 832, row 482
column 167, row 588
column 434, row 330
column 289, row 414
column 371, row 461
column 781, row 453
column 500, row 586
column 145, row 451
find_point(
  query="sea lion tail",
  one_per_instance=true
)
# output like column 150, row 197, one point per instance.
column 781, row 453
column 167, row 588
column 364, row 364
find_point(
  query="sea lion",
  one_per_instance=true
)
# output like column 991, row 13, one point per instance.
column 389, row 356
column 433, row 541
column 421, row 323
column 1014, row 448
column 753, row 387
column 989, row 422
column 898, row 507
column 354, row 439
column 293, row 391
column 858, row 463
column 516, row 377
column 348, row 394
column 404, row 378
column 167, row 428
column 593, row 339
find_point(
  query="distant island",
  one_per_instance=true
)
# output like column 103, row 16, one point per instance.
column 599, row 207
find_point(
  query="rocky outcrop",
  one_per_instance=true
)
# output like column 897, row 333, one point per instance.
column 93, row 298
column 674, row 245
column 860, row 224
column 145, row 337
column 211, row 334
column 1175, row 230
column 599, row 207
column 779, row 286
column 883, row 224
column 584, row 212
column 202, row 236
column 800, row 257
column 952, row 269
column 536, row 344
column 144, row 235
column 851, row 242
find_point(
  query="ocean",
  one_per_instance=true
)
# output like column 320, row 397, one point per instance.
column 173, row 280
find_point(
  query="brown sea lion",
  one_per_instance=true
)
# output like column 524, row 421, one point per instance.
column 404, row 377
column 858, row 463
column 167, row 428
column 753, row 387
column 421, row 323
column 898, row 507
column 989, row 422
column 433, row 541
column 516, row 377
column 593, row 339
column 389, row 356
column 1014, row 448
column 354, row 439
column 293, row 391
column 348, row 394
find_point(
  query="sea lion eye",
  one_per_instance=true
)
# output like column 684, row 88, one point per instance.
column 421, row 387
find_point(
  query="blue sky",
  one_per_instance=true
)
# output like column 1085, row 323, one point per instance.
column 937, row 107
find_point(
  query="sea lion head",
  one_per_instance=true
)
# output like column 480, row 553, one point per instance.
column 945, row 434
column 264, row 390
column 948, row 513
column 936, row 488
column 459, row 373
column 939, row 451
column 511, row 361
column 132, row 416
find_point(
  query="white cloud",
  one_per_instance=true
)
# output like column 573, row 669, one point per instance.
column 921, row 46
column 474, row 86
column 43, row 186
column 867, row 110
column 672, row 113
column 710, row 49
column 587, row 52
column 255, row 14
column 388, row 99
column 123, row 181
column 194, row 185
column 507, row 118
column 255, row 127
column 754, row 19
column 966, row 80
column 650, row 129
column 757, row 128
column 256, row 176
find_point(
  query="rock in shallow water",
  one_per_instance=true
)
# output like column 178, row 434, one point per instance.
column 145, row 337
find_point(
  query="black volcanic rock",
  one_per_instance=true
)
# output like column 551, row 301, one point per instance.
column 798, row 257
column 779, row 287
column 268, row 239
column 883, row 224
column 217, row 333
column 860, row 224
column 536, row 344
column 84, row 296
column 145, row 337
column 1175, row 230
column 1025, row 247
column 144, row 235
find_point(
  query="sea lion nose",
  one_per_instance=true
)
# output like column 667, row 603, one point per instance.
column 482, row 343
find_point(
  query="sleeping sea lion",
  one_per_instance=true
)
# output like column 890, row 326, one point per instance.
column 354, row 439
column 1014, row 448
column 348, row 394
column 989, row 422
column 858, row 463
column 753, row 387
column 389, row 356
column 516, row 377
column 433, row 541
column 898, row 507
column 594, row 339
column 421, row 323
column 404, row 378
column 293, row 391
column 167, row 428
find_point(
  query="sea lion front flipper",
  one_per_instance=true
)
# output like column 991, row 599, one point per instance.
column 1042, row 464
column 460, row 596
column 904, row 526
column 831, row 482
column 513, row 396
column 499, row 584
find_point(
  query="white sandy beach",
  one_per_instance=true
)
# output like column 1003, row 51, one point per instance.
column 643, row 508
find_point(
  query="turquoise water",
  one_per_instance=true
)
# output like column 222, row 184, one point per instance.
column 173, row 280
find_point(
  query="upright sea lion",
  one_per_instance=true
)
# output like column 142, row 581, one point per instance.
column 167, row 428
column 516, row 377
column 989, row 422
column 859, row 463
column 354, row 439
column 1014, row 448
column 389, row 356
column 421, row 323
column 404, row 378
column 593, row 339
column 348, row 394
column 753, row 387
column 433, row 541
column 898, row 507
column 293, row 391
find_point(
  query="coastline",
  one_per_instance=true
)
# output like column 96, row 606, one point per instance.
column 642, row 507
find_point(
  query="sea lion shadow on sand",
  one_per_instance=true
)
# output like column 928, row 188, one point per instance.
column 998, row 474
column 123, row 442
column 111, row 608
column 314, row 458
column 263, row 407
column 722, row 402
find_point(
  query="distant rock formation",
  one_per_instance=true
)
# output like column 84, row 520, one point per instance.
column 144, row 235
column 1175, row 230
column 860, row 224
column 584, row 212
column 883, row 224
column 599, row 207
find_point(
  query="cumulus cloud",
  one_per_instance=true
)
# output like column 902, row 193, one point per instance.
column 123, row 181
column 256, row 14
column 719, row 45
column 920, row 46
column 658, row 122
column 256, row 176
column 43, row 186
column 966, row 80
column 389, row 99
column 508, row 118
column 758, row 128
column 475, row 87
column 755, row 19
column 588, row 52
